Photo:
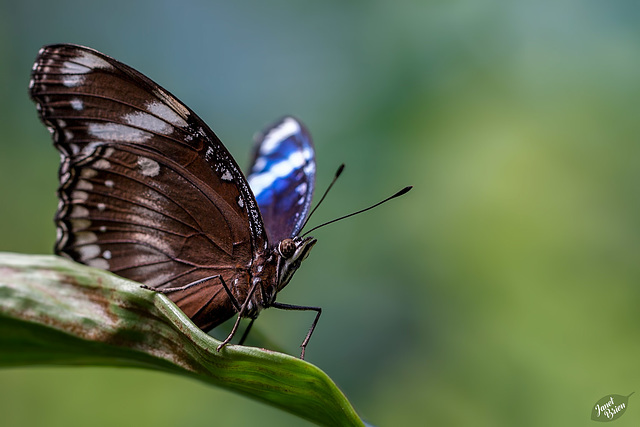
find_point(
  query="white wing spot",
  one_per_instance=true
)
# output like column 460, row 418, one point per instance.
column 172, row 102
column 226, row 176
column 101, row 207
column 78, row 211
column 102, row 164
column 302, row 188
column 240, row 202
column 108, row 183
column 148, row 167
column 85, row 237
column 88, row 173
column 88, row 251
column 103, row 228
column 106, row 254
column 77, row 104
column 117, row 132
column 80, row 224
column 84, row 185
column 98, row 263
column 147, row 122
column 72, row 80
column 79, row 196
column 164, row 112
column 60, row 234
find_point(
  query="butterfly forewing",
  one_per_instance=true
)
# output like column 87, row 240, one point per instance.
column 147, row 189
column 282, row 177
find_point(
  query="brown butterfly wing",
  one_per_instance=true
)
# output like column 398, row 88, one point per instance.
column 147, row 190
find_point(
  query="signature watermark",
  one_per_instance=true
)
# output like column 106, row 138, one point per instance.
column 609, row 408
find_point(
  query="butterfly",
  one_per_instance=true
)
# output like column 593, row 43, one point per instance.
column 149, row 192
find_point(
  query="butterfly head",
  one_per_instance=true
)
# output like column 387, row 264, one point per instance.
column 291, row 254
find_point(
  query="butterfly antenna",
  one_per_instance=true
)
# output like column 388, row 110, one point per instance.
column 335, row 178
column 405, row 190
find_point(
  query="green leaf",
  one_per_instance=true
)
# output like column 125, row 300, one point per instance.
column 609, row 408
column 57, row 312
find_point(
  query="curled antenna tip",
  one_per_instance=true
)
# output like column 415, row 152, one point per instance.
column 399, row 193
column 405, row 190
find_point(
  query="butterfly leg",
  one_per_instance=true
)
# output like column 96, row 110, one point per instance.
column 246, row 331
column 233, row 299
column 318, row 311
column 240, row 313
column 181, row 288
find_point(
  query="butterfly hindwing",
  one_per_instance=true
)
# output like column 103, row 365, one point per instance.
column 282, row 177
column 147, row 189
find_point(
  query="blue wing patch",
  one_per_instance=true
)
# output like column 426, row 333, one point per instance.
column 282, row 177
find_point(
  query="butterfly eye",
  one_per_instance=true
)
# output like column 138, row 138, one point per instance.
column 287, row 248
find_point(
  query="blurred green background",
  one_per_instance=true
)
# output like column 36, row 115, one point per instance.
column 503, row 290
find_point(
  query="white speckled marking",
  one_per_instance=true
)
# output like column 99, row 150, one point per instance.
column 101, row 207
column 208, row 155
column 106, row 254
column 240, row 202
column 108, row 183
column 226, row 176
column 102, row 228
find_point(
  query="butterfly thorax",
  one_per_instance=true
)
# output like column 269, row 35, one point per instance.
column 273, row 270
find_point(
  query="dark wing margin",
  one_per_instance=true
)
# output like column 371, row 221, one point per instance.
column 282, row 177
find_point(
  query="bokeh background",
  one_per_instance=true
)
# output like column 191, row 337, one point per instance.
column 503, row 290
